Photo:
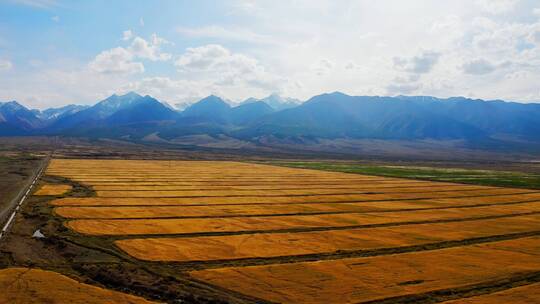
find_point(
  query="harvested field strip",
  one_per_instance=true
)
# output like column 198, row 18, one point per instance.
column 526, row 294
column 140, row 212
column 488, row 199
column 247, row 185
column 53, row 189
column 24, row 285
column 255, row 200
column 376, row 278
column 309, row 191
column 291, row 193
column 238, row 180
column 212, row 176
column 308, row 243
column 290, row 186
column 265, row 223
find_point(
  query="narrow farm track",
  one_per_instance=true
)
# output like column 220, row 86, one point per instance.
column 305, row 236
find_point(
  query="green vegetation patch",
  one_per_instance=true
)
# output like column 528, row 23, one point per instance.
column 476, row 177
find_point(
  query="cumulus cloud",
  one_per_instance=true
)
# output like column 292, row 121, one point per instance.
column 122, row 60
column 496, row 6
column 350, row 66
column 173, row 91
column 419, row 64
column 224, row 67
column 203, row 58
column 149, row 50
column 323, row 66
column 536, row 36
column 478, row 67
column 116, row 61
column 219, row 32
column 127, row 35
column 402, row 88
column 5, row 65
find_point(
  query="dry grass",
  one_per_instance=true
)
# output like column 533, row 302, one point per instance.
column 364, row 279
column 24, row 285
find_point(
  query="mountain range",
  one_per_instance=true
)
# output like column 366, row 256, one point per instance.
column 327, row 116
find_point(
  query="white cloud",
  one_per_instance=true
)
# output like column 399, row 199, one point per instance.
column 36, row 3
column 478, row 67
column 323, row 66
column 149, row 50
column 172, row 91
column 203, row 58
column 116, row 61
column 496, row 6
column 127, row 35
column 420, row 64
column 402, row 88
column 5, row 65
column 265, row 46
column 350, row 66
column 55, row 19
column 224, row 68
column 222, row 33
column 121, row 60
column 141, row 22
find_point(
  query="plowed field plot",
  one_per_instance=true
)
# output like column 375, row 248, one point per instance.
column 290, row 235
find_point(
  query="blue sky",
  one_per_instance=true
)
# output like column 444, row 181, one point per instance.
column 55, row 52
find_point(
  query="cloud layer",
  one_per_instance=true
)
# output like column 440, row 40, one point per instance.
column 481, row 49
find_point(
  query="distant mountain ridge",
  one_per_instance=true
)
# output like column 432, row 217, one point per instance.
column 15, row 119
column 327, row 116
column 275, row 101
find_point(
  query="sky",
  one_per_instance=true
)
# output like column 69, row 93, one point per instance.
column 54, row 52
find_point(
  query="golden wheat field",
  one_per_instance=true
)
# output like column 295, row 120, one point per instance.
column 305, row 236
column 51, row 189
column 520, row 295
column 26, row 285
